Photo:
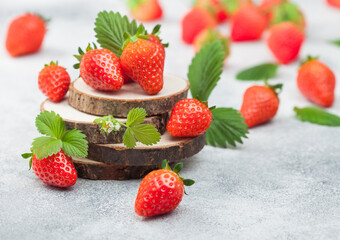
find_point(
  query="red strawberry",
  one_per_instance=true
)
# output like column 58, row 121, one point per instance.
column 194, row 22
column 232, row 6
column 247, row 24
column 284, row 41
column 316, row 82
column 334, row 3
column 189, row 118
column 161, row 191
column 54, row 81
column 143, row 62
column 56, row 170
column 260, row 104
column 25, row 35
column 215, row 8
column 209, row 35
column 100, row 69
column 145, row 10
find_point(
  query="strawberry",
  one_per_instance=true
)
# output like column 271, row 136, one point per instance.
column 215, row 8
column 260, row 104
column 209, row 35
column 145, row 10
column 161, row 191
column 194, row 22
column 247, row 24
column 54, row 81
column 100, row 69
column 232, row 6
column 287, row 12
column 189, row 118
column 334, row 3
column 284, row 41
column 143, row 61
column 25, row 35
column 316, row 82
column 51, row 155
column 267, row 7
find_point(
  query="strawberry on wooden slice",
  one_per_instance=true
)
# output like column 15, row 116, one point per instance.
column 145, row 10
column 161, row 191
column 100, row 69
column 54, row 81
column 51, row 155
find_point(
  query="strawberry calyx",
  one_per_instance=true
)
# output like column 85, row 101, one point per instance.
column 287, row 11
column 82, row 53
column 30, row 156
column 155, row 32
column 52, row 64
column 133, row 4
column 308, row 59
column 277, row 88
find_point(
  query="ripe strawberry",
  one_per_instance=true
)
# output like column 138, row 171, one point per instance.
column 25, row 35
column 284, row 41
column 194, row 22
column 334, row 3
column 54, row 81
column 209, row 35
column 56, row 170
column 100, row 69
column 161, row 191
column 232, row 6
column 214, row 7
column 143, row 62
column 145, row 10
column 189, row 118
column 316, row 82
column 247, row 24
column 267, row 7
column 260, row 104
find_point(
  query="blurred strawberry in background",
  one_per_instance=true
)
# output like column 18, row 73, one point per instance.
column 286, row 11
column 231, row 6
column 25, row 34
column 215, row 8
column 334, row 3
column 145, row 10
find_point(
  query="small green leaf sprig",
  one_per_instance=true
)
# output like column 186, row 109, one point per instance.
column 135, row 130
column 318, row 116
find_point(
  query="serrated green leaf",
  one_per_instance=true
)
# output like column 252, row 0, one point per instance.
column 227, row 128
column 205, row 70
column 50, row 124
column 128, row 139
column 110, row 28
column 146, row 134
column 74, row 143
column 44, row 147
column 259, row 72
column 136, row 116
column 335, row 42
column 317, row 115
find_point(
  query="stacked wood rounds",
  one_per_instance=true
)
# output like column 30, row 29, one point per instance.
column 108, row 158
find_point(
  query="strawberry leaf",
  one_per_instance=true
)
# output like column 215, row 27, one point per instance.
column 205, row 70
column 335, row 42
column 136, row 116
column 259, row 72
column 50, row 124
column 317, row 115
column 146, row 134
column 128, row 139
column 43, row 147
column 110, row 28
column 74, row 143
column 188, row 182
column 227, row 128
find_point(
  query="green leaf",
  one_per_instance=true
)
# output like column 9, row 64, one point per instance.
column 227, row 128
column 317, row 115
column 44, row 147
column 205, row 70
column 188, row 182
column 50, row 124
column 135, row 116
column 26, row 155
column 128, row 139
column 74, row 143
column 110, row 28
column 335, row 42
column 146, row 134
column 178, row 167
column 259, row 72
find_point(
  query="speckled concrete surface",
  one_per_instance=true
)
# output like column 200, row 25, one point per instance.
column 283, row 183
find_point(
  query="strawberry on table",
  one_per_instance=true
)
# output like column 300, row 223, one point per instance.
column 100, row 69
column 25, row 35
column 145, row 10
column 284, row 41
column 260, row 104
column 214, row 7
column 54, row 81
column 232, row 6
column 161, row 191
column 316, row 82
column 51, row 155
column 334, row 3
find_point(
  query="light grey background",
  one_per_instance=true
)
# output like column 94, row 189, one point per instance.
column 283, row 183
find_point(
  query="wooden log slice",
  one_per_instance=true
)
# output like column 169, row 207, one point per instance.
column 75, row 119
column 170, row 148
column 131, row 95
column 90, row 169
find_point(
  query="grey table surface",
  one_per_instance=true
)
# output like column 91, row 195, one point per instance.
column 282, row 183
